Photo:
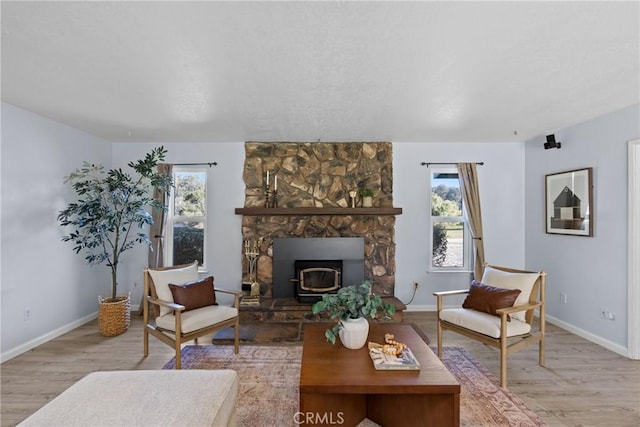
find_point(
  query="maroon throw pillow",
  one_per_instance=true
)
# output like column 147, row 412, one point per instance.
column 488, row 299
column 195, row 294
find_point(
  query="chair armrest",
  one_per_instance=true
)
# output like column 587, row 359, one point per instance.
column 518, row 308
column 440, row 296
column 236, row 296
column 448, row 293
column 226, row 291
column 171, row 305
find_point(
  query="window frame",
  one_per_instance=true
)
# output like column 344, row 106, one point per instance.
column 467, row 241
column 172, row 218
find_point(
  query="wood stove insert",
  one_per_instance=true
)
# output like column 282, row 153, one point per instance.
column 313, row 278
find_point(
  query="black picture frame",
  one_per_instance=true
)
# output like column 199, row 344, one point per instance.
column 569, row 202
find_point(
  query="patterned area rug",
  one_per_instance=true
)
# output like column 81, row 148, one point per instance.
column 269, row 385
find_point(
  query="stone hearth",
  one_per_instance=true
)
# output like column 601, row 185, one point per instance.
column 291, row 310
column 320, row 175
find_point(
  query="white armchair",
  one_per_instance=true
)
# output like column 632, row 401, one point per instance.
column 178, row 307
column 509, row 329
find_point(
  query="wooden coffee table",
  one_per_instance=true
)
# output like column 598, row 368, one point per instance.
column 339, row 386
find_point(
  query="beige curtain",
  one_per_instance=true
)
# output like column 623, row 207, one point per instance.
column 156, row 232
column 468, row 174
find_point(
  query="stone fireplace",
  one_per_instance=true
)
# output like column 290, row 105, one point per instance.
column 314, row 181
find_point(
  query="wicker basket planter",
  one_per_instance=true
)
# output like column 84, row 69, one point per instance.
column 114, row 317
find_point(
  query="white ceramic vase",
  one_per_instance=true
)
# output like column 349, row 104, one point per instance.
column 354, row 333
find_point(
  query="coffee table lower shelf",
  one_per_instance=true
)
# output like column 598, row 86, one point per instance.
column 339, row 386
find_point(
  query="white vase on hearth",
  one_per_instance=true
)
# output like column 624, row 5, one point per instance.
column 354, row 333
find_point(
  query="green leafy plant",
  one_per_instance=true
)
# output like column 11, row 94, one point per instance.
column 367, row 192
column 351, row 302
column 111, row 209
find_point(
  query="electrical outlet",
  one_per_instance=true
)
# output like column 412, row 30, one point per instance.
column 415, row 286
column 563, row 297
column 606, row 314
column 27, row 314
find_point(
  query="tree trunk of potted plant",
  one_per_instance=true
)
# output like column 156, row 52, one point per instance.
column 108, row 219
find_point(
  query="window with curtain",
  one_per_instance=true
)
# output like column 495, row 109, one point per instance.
column 187, row 217
column 451, row 243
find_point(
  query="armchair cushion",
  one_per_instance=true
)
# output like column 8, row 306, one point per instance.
column 488, row 299
column 197, row 319
column 162, row 279
column 483, row 323
column 195, row 294
column 509, row 280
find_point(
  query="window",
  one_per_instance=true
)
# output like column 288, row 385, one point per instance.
column 450, row 238
column 187, row 217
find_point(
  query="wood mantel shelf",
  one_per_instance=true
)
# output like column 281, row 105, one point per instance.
column 258, row 211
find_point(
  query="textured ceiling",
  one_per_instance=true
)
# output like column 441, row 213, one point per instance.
column 329, row 71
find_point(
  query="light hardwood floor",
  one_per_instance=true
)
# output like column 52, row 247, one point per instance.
column 583, row 384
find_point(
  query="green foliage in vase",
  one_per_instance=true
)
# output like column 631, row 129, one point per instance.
column 110, row 210
column 351, row 302
column 367, row 192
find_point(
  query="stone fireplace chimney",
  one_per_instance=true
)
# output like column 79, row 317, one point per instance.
column 313, row 185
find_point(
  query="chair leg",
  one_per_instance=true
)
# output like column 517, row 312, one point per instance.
column 503, row 351
column 439, row 325
column 503, row 362
column 439, row 339
column 146, row 341
column 543, row 334
column 178, row 352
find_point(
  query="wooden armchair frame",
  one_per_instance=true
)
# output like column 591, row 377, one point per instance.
column 506, row 345
column 177, row 338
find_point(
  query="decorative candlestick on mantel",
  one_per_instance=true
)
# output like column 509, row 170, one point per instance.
column 271, row 195
column 352, row 198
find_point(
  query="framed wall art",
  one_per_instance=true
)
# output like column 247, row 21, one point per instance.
column 569, row 202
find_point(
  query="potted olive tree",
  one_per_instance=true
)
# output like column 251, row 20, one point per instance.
column 109, row 217
column 351, row 306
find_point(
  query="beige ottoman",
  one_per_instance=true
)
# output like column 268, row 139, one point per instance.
column 144, row 398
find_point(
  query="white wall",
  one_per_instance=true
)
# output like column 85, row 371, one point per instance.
column 226, row 192
column 39, row 271
column 592, row 271
column 501, row 181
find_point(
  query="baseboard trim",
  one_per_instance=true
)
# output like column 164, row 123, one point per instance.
column 421, row 308
column 609, row 345
column 10, row 354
